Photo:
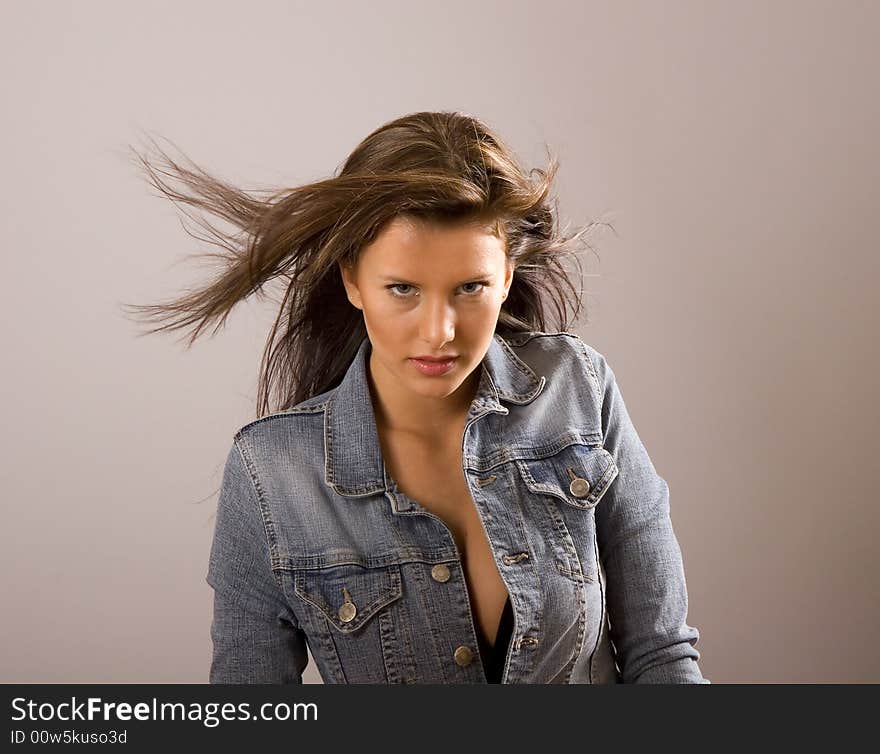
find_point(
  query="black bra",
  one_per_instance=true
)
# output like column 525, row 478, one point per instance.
column 493, row 657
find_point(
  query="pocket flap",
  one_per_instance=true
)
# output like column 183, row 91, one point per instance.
column 577, row 474
column 363, row 590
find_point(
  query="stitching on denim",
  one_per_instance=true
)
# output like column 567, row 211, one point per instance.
column 398, row 558
column 582, row 614
column 518, row 363
column 310, row 409
column 482, row 464
column 389, row 641
column 563, row 535
column 607, row 478
column 371, row 488
column 597, row 491
column 390, row 590
column 268, row 526
column 592, row 371
column 602, row 598
column 539, row 615
column 420, row 586
column 328, row 642
column 328, row 440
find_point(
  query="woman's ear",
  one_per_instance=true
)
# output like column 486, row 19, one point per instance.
column 347, row 274
column 508, row 278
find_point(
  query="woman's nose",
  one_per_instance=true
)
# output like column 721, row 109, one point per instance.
column 438, row 322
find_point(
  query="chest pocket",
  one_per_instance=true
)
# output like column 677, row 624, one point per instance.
column 349, row 595
column 578, row 475
column 570, row 485
column 352, row 621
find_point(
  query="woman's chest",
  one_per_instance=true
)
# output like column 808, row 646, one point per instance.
column 434, row 478
column 389, row 590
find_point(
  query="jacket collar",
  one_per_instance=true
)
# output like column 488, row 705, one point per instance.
column 353, row 457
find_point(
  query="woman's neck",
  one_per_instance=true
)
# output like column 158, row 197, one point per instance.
column 420, row 418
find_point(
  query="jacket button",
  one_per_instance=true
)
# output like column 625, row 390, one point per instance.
column 579, row 487
column 347, row 612
column 440, row 573
column 463, row 656
column 348, row 609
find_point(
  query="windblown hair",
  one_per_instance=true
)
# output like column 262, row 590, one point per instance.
column 443, row 167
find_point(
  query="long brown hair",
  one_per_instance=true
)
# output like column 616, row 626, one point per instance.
column 439, row 166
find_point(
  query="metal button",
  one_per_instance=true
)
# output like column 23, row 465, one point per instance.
column 440, row 573
column 348, row 609
column 579, row 487
column 463, row 656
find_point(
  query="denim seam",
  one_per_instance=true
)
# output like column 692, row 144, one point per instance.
column 309, row 409
column 510, row 659
column 591, row 501
column 268, row 526
column 591, row 368
column 526, row 370
column 602, row 619
column 420, row 587
column 504, row 455
column 391, row 589
column 582, row 617
column 551, row 507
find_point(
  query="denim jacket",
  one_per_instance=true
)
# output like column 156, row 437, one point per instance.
column 315, row 545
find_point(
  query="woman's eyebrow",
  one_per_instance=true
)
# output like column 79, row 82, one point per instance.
column 400, row 279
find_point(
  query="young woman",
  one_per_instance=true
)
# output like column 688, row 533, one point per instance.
column 447, row 489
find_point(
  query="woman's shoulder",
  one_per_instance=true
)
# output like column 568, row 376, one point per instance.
column 570, row 363
column 294, row 425
column 558, row 340
column 554, row 348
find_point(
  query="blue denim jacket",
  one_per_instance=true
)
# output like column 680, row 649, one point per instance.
column 315, row 545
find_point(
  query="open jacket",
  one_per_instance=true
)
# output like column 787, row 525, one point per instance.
column 315, row 545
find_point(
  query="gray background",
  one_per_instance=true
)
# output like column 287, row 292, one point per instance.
column 734, row 147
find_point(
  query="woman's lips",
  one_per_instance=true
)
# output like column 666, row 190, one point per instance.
column 434, row 368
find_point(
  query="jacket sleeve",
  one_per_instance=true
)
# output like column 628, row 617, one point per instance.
column 646, row 592
column 256, row 636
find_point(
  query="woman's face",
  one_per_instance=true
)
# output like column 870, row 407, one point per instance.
column 429, row 290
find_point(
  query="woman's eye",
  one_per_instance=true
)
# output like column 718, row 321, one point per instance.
column 471, row 292
column 483, row 285
column 398, row 285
